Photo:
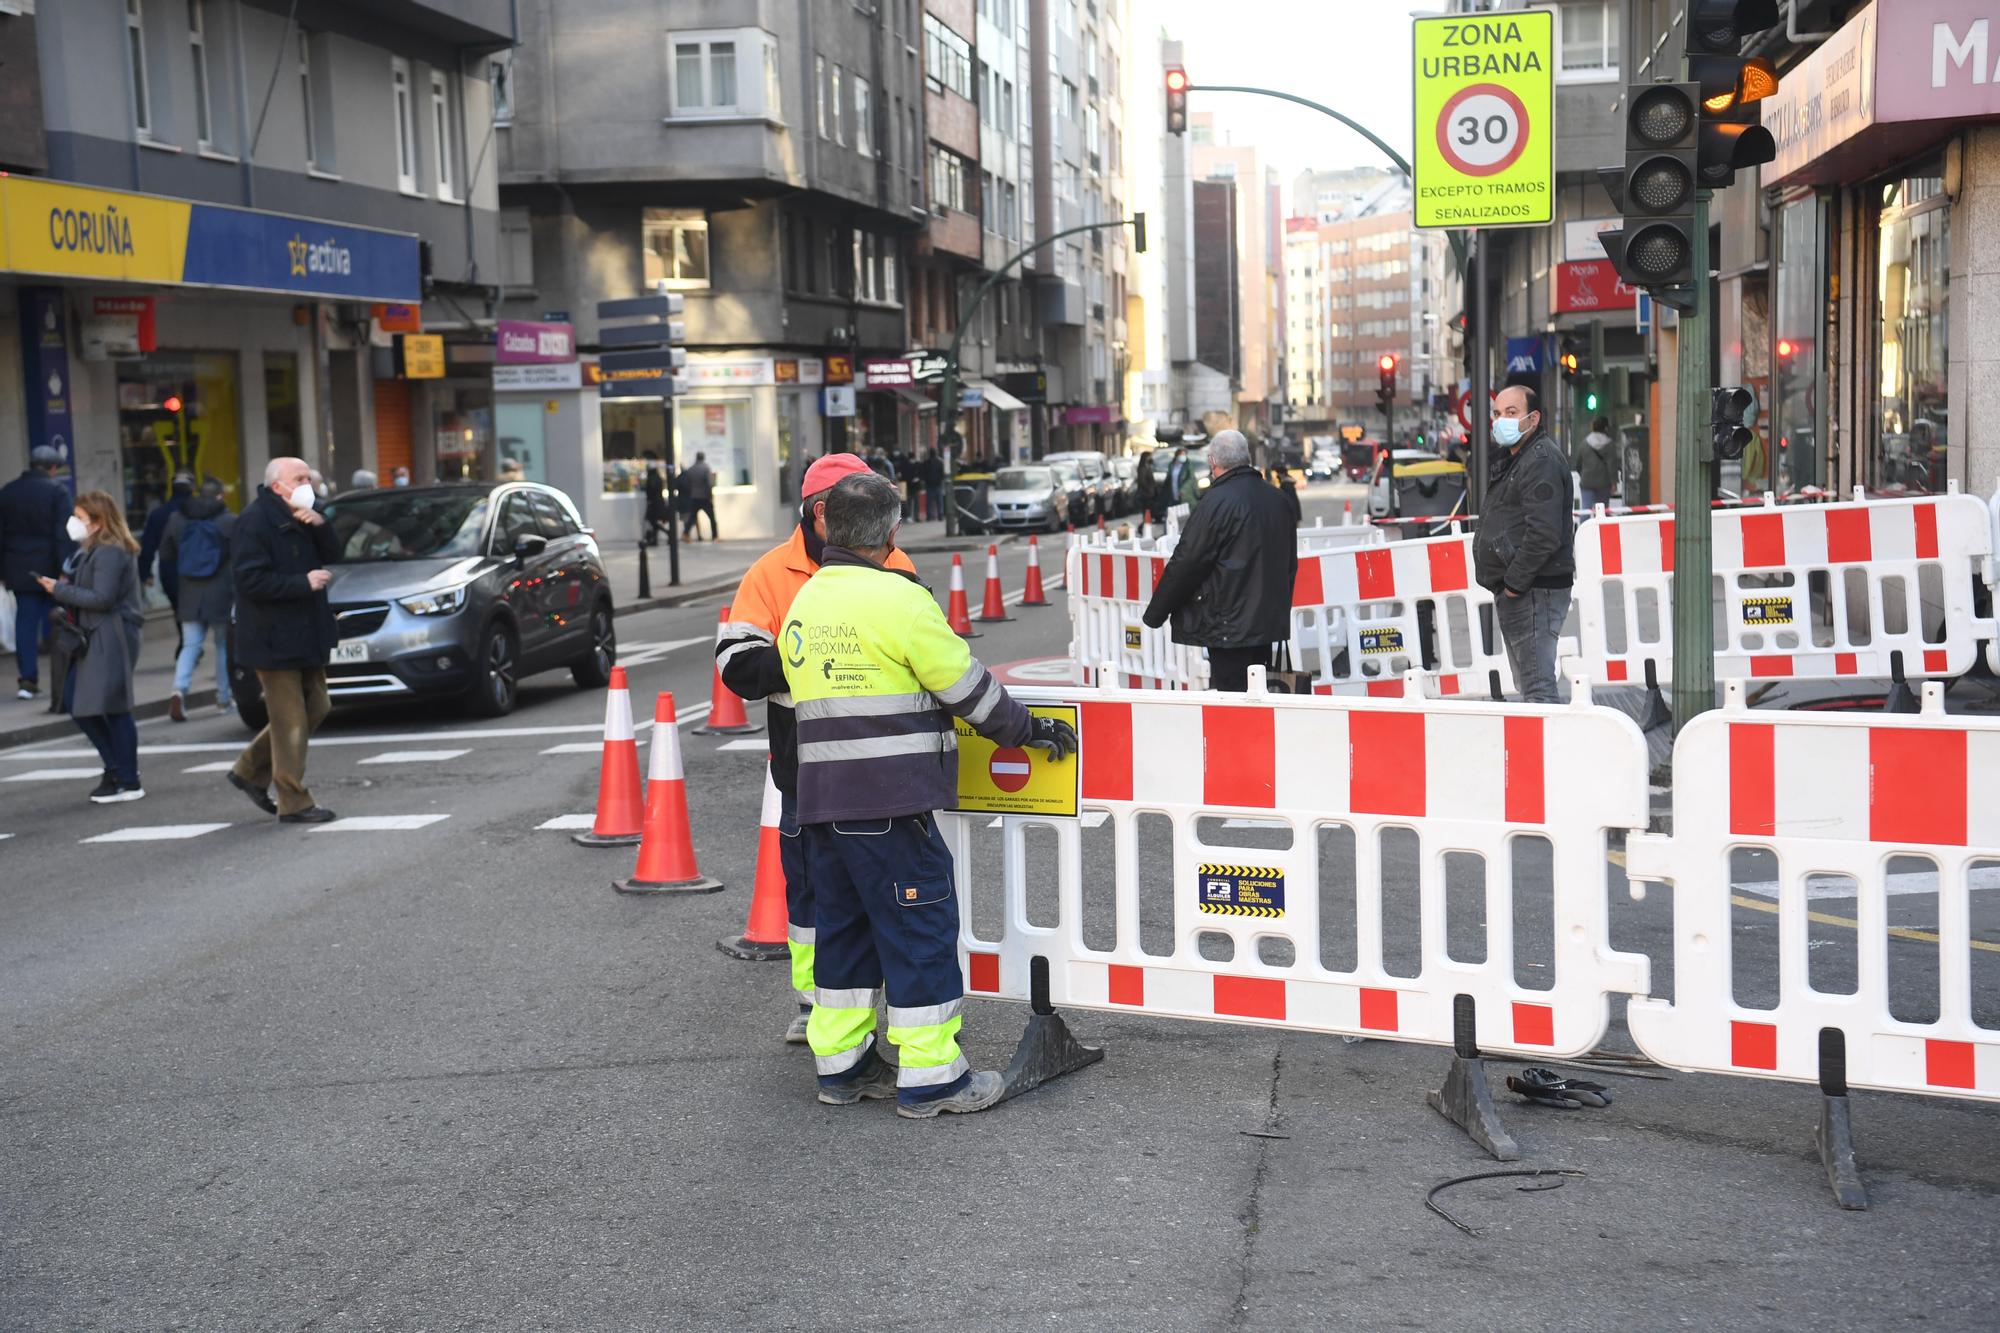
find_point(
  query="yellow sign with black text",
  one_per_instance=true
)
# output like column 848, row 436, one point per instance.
column 1002, row 780
column 423, row 356
column 1484, row 152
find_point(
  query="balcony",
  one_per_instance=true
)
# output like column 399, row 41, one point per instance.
column 484, row 25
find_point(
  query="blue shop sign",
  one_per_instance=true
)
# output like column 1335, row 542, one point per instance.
column 231, row 247
column 1524, row 355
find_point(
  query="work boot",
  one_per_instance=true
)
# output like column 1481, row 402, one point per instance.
column 982, row 1091
column 795, row 1035
column 878, row 1084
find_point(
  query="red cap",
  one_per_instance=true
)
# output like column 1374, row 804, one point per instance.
column 826, row 471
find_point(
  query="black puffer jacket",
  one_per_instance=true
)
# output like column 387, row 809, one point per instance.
column 281, row 623
column 1526, row 538
column 1229, row 583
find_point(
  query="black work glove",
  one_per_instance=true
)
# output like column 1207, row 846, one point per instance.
column 1056, row 736
column 1545, row 1087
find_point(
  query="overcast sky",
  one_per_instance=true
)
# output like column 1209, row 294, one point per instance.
column 1351, row 55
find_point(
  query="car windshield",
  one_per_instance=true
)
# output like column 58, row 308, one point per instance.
column 1067, row 473
column 411, row 525
column 1023, row 479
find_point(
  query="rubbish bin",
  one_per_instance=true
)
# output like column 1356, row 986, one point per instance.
column 973, row 494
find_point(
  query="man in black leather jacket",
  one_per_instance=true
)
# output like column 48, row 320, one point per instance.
column 1524, row 552
column 1228, row 586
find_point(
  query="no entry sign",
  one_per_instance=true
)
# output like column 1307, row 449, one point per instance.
column 1009, row 769
column 1484, row 154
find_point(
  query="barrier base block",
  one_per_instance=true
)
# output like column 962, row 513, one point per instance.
column 1048, row 1050
column 700, row 884
column 1467, row 1101
column 606, row 839
column 1834, row 1137
column 754, row 951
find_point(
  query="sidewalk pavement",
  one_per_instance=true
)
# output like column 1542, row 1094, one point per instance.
column 708, row 569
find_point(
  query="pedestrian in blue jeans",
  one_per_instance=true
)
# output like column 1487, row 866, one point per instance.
column 34, row 510
column 1524, row 552
column 197, row 541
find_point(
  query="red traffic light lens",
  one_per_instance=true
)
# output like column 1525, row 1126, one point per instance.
column 1785, row 348
column 172, row 402
column 1177, row 81
column 1388, row 364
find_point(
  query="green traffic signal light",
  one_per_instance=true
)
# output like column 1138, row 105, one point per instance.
column 1590, row 401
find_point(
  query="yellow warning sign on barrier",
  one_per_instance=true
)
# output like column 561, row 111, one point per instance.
column 1001, row 780
column 1767, row 610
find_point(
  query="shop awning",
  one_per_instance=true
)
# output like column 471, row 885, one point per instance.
column 915, row 399
column 997, row 396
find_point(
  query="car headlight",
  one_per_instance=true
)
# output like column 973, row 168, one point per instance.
column 440, row 603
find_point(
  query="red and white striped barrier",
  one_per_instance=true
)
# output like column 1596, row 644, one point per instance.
column 1464, row 778
column 1109, row 583
column 1872, row 588
column 1829, row 795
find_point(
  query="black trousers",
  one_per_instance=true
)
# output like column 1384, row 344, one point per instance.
column 1229, row 668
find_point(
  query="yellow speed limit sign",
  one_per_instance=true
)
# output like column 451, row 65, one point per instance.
column 1484, row 154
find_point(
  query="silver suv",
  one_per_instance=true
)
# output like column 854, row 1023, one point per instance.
column 460, row 590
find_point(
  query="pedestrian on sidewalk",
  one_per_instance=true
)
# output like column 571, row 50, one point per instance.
column 1288, row 490
column 149, row 542
column 1597, row 465
column 197, row 541
column 877, row 678
column 362, row 480
column 1524, row 551
column 284, row 631
column 658, row 515
column 933, row 474
column 1228, row 586
column 1147, row 488
column 698, row 498
column 101, row 595
column 34, row 513
column 746, row 652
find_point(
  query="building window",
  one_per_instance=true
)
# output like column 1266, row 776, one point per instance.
column 1590, row 36
column 204, row 121
column 517, row 248
column 839, row 107
column 406, row 125
column 1798, row 316
column 447, row 187
column 675, row 241
column 947, row 180
column 1008, row 125
column 864, row 117
column 135, row 65
column 720, row 432
column 819, row 87
column 1010, row 211
column 725, row 72
column 315, row 91
column 500, row 74
column 1913, row 280
column 989, row 211
column 947, row 59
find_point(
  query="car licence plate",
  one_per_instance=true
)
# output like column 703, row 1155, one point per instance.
column 355, row 650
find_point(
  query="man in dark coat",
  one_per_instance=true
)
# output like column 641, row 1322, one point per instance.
column 1525, row 550
column 285, row 632
column 658, row 515
column 34, row 507
column 155, row 530
column 698, row 498
column 1228, row 586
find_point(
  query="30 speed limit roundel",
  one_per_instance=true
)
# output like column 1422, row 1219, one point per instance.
column 1482, row 129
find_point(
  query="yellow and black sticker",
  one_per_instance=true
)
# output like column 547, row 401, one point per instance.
column 1767, row 610
column 1232, row 890
column 1381, row 641
column 1133, row 636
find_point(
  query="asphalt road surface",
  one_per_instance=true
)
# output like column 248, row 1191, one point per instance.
column 424, row 1069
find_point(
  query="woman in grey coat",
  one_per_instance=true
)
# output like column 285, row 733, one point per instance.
column 102, row 590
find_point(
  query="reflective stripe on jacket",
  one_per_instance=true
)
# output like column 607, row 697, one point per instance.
column 746, row 645
column 876, row 677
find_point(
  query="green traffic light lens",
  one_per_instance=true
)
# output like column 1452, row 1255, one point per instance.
column 1590, row 402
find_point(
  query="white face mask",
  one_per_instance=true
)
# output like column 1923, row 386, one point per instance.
column 301, row 497
column 76, row 528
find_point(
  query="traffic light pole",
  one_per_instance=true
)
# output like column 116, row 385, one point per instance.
column 1694, row 614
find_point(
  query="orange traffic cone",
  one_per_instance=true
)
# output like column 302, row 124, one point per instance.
column 764, row 938
column 1347, row 513
column 620, row 813
column 994, row 606
column 1032, row 594
column 725, row 707
column 666, row 855
column 957, row 613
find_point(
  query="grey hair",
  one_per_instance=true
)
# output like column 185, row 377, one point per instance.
column 363, row 480
column 861, row 511
column 1228, row 450
column 277, row 468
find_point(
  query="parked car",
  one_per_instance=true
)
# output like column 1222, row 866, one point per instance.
column 1126, row 472
column 459, row 591
column 1325, row 465
column 1030, row 499
column 1097, row 478
column 1080, row 499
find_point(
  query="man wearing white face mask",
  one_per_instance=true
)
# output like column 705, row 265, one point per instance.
column 285, row 631
column 1525, row 549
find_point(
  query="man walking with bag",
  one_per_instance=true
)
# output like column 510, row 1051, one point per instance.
column 285, row 632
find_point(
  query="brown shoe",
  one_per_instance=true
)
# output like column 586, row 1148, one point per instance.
column 177, row 707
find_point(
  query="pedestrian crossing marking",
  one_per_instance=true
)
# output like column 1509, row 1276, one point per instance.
column 413, row 756
column 379, row 823
column 219, row 766
column 569, row 822
column 762, row 746
column 156, row 833
column 576, row 747
column 51, row 774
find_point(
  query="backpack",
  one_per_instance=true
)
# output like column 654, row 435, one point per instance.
column 200, row 548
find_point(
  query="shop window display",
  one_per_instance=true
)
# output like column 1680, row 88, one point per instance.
column 1913, row 279
column 175, row 411
column 633, row 427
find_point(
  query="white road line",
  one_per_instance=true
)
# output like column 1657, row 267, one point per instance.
column 1819, row 888
column 379, row 823
column 413, row 756
column 568, row 822
column 157, row 833
column 219, row 766
column 47, row 774
column 639, row 654
column 760, row 746
column 576, row 747
column 1014, row 598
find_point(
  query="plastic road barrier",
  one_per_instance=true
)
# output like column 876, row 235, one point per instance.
column 1109, row 583
column 1873, row 588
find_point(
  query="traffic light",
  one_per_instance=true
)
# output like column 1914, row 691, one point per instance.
column 1728, row 420
column 1387, row 365
column 171, row 403
column 1177, row 86
column 1730, row 85
column 1571, row 360
column 1654, row 250
column 1590, row 401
